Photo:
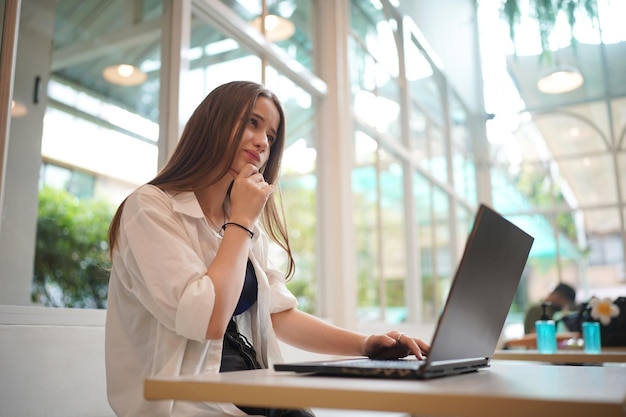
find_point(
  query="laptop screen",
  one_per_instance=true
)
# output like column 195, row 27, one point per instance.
column 480, row 297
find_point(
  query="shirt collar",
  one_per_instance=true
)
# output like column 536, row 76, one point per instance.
column 186, row 203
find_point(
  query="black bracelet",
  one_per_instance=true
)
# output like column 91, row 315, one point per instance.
column 250, row 232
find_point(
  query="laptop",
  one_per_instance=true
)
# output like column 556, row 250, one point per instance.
column 472, row 319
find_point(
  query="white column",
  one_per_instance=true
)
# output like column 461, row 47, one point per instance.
column 174, row 62
column 337, row 292
column 8, row 49
column 23, row 152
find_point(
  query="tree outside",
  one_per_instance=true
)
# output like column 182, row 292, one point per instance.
column 72, row 263
column 71, row 259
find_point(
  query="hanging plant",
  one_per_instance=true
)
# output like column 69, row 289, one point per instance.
column 546, row 13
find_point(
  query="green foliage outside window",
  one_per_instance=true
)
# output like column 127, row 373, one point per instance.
column 299, row 206
column 544, row 192
column 71, row 259
column 72, row 263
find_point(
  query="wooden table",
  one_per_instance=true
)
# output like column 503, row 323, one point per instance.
column 505, row 389
column 564, row 356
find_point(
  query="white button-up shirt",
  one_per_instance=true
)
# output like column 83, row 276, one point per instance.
column 161, row 299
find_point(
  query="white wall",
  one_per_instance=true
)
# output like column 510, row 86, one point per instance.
column 52, row 363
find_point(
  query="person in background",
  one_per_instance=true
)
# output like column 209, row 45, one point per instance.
column 193, row 288
column 562, row 303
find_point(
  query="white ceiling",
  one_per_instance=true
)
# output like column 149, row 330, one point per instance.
column 581, row 131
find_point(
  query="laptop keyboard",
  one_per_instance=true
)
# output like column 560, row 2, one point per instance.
column 381, row 363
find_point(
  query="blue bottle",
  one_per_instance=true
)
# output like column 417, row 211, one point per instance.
column 546, row 332
column 591, row 337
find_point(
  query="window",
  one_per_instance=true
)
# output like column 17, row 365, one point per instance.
column 407, row 180
column 96, row 137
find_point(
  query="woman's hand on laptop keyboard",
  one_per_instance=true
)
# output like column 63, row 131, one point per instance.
column 394, row 345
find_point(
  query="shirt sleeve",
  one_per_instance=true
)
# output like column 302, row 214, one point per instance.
column 165, row 271
column 281, row 298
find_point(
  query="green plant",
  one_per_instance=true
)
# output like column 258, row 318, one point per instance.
column 299, row 205
column 546, row 12
column 71, row 258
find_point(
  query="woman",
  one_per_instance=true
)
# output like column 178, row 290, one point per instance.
column 192, row 289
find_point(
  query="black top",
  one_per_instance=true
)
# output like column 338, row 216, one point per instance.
column 249, row 292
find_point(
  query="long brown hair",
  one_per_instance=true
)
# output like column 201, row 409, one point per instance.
column 208, row 141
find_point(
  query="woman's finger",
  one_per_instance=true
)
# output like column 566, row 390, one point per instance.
column 415, row 346
column 248, row 170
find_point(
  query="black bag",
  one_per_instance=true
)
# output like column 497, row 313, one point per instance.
column 239, row 355
column 613, row 334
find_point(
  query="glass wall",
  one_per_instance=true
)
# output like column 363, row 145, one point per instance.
column 219, row 58
column 288, row 24
column 100, row 128
column 555, row 158
column 412, row 172
column 99, row 139
column 408, row 178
